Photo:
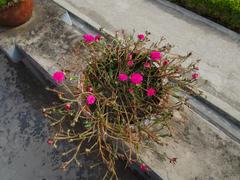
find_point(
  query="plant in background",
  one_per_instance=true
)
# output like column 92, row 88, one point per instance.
column 225, row 12
column 8, row 3
column 3, row 2
column 15, row 12
column 124, row 96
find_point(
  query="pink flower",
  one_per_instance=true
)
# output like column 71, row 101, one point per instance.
column 50, row 141
column 131, row 90
column 143, row 167
column 130, row 63
column 58, row 77
column 88, row 38
column 141, row 37
column 165, row 62
column 91, row 100
column 151, row 92
column 136, row 78
column 123, row 77
column 155, row 55
column 195, row 75
column 97, row 37
column 68, row 106
column 147, row 65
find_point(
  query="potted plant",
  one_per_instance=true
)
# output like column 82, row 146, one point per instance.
column 15, row 12
column 124, row 96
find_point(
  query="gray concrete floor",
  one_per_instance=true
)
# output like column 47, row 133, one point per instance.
column 24, row 153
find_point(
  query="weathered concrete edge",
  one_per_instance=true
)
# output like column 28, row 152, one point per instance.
column 42, row 74
column 223, row 121
column 233, row 114
column 94, row 25
column 234, row 35
column 12, row 53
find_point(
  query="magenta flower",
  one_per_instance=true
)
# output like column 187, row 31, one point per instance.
column 136, row 78
column 68, row 106
column 141, row 37
column 130, row 63
column 97, row 37
column 155, row 55
column 88, row 38
column 58, row 77
column 195, row 75
column 165, row 62
column 91, row 100
column 131, row 90
column 147, row 65
column 50, row 141
column 151, row 92
column 143, row 167
column 123, row 77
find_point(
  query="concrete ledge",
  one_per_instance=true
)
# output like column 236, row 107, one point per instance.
column 94, row 25
column 9, row 37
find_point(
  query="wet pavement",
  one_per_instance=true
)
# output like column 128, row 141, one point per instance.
column 24, row 153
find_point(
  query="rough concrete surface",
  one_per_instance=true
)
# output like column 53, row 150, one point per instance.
column 51, row 44
column 24, row 152
column 45, row 38
column 219, row 52
column 202, row 151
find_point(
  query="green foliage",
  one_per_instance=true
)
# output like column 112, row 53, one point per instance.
column 226, row 12
column 3, row 2
column 8, row 3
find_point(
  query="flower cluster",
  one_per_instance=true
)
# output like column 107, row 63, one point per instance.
column 124, row 84
column 59, row 77
column 88, row 38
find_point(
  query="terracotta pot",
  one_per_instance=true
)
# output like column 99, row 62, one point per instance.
column 17, row 14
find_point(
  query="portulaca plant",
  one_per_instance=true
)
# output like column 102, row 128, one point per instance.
column 126, row 89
